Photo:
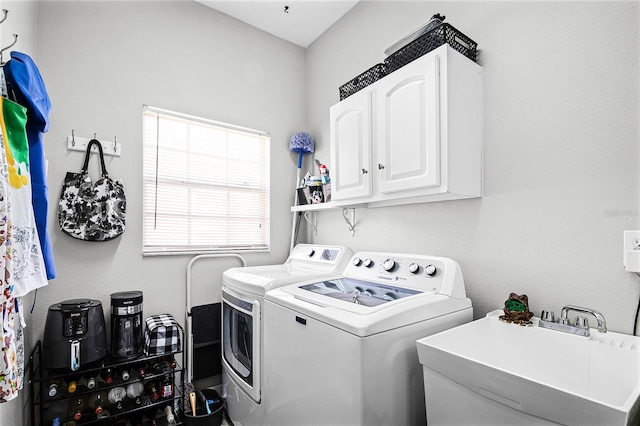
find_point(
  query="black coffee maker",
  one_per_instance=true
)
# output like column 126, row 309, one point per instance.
column 74, row 334
column 126, row 325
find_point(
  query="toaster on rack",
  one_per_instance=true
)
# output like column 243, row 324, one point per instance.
column 162, row 335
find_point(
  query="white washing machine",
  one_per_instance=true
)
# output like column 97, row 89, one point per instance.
column 243, row 291
column 343, row 351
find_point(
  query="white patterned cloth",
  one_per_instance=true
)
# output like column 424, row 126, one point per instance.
column 11, row 364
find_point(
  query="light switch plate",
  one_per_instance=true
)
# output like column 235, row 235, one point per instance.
column 631, row 251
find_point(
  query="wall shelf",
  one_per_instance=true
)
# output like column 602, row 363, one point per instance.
column 325, row 206
column 306, row 210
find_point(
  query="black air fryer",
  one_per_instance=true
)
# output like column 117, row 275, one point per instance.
column 74, row 334
column 126, row 325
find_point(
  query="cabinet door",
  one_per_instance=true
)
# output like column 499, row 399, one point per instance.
column 350, row 127
column 407, row 127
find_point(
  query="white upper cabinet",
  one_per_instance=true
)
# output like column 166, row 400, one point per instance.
column 407, row 129
column 351, row 147
column 413, row 136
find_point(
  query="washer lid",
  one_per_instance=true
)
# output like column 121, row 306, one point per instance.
column 359, row 292
column 362, row 320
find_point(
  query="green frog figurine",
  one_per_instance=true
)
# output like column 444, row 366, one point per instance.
column 516, row 310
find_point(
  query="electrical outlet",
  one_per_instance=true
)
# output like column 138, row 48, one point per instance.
column 631, row 251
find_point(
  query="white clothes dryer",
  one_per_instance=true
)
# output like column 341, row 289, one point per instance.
column 243, row 291
column 343, row 351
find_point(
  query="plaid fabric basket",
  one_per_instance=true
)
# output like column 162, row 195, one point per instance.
column 162, row 335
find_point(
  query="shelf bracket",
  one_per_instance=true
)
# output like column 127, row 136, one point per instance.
column 351, row 223
column 313, row 222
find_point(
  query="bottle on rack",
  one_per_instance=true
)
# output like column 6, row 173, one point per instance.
column 107, row 375
column 134, row 393
column 57, row 413
column 56, row 387
column 166, row 387
column 165, row 366
column 88, row 415
column 91, row 383
column 99, row 403
column 124, row 374
column 172, row 361
column 142, row 373
column 72, row 384
column 156, row 367
column 151, row 390
column 105, row 414
column 116, row 397
column 76, row 405
column 171, row 419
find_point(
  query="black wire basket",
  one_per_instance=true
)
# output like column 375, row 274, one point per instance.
column 440, row 35
column 361, row 81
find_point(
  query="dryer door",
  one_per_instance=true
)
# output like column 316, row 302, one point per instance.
column 241, row 340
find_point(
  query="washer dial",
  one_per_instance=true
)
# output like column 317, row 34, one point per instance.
column 368, row 263
column 356, row 261
column 414, row 268
column 430, row 270
column 389, row 265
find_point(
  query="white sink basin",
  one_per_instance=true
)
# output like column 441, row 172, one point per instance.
column 500, row 373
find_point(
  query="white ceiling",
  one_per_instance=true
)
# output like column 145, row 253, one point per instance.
column 302, row 23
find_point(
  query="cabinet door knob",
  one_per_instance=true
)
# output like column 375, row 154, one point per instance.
column 380, row 166
column 365, row 171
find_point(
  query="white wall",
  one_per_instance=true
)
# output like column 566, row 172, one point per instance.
column 101, row 61
column 561, row 150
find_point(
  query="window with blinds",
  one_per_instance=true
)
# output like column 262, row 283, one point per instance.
column 206, row 185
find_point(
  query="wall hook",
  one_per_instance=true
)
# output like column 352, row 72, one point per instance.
column 113, row 148
column 5, row 12
column 15, row 40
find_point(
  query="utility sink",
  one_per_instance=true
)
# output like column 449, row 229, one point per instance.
column 492, row 372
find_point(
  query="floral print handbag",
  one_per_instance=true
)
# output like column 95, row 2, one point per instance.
column 92, row 211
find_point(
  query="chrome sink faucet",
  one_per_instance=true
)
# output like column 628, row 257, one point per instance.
column 580, row 325
column 602, row 324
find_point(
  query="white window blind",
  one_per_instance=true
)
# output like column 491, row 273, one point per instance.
column 206, row 185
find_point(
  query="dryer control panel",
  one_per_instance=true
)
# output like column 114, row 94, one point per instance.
column 422, row 272
column 319, row 257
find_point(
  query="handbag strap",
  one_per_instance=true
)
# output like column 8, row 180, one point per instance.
column 87, row 155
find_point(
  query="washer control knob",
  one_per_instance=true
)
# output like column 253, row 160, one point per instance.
column 368, row 263
column 430, row 270
column 414, row 268
column 389, row 265
column 356, row 261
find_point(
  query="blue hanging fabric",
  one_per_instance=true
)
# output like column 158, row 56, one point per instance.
column 27, row 88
